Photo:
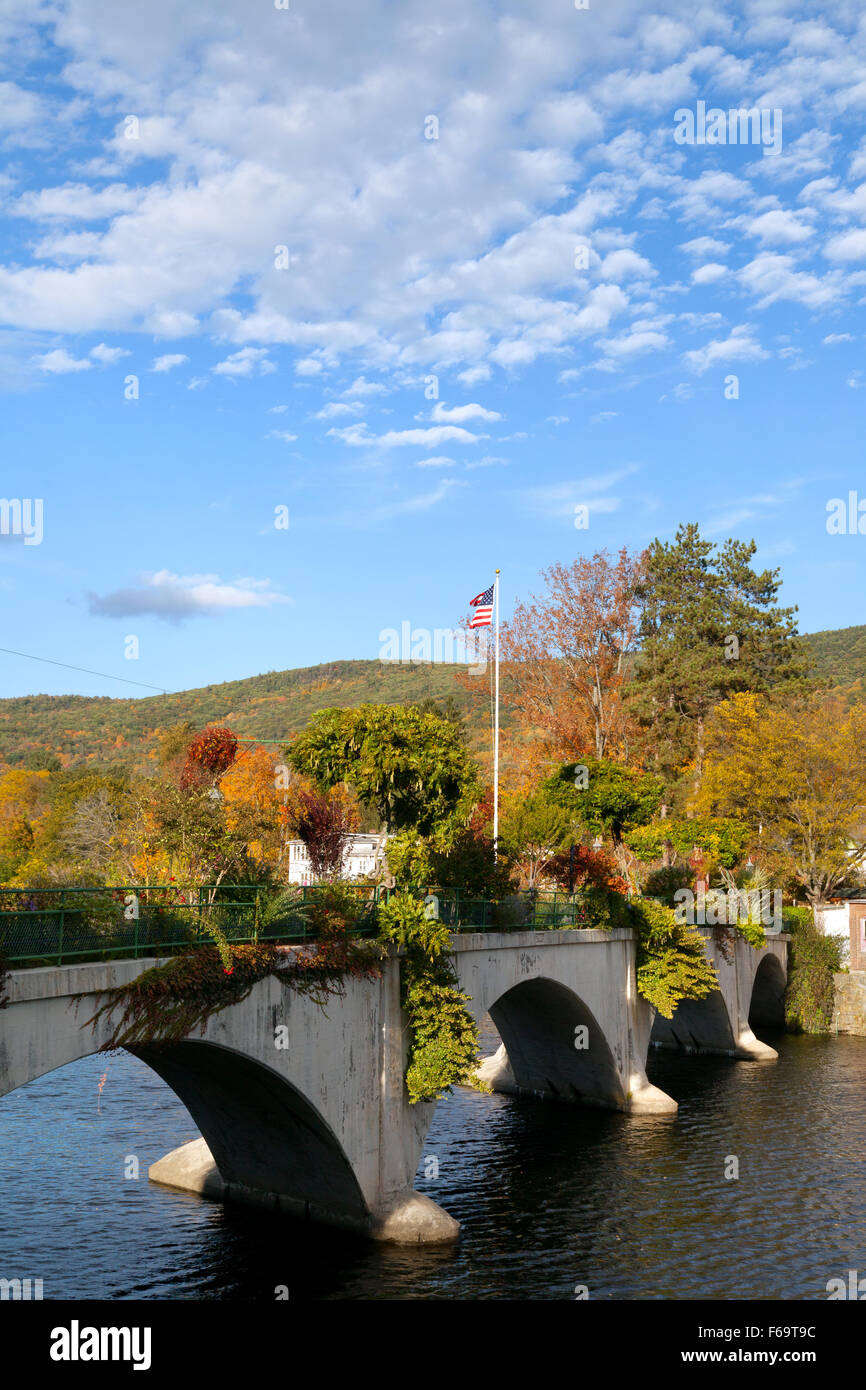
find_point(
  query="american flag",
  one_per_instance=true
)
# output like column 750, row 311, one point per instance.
column 483, row 605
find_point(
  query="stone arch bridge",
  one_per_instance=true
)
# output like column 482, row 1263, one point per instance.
column 323, row 1128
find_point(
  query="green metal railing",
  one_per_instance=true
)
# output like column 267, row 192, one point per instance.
column 50, row 926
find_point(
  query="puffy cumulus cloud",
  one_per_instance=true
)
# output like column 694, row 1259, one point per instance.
column 59, row 361
column 634, row 343
column 850, row 246
column 739, row 346
column 473, row 375
column 361, row 387
column 771, row 277
column 247, row 198
column 77, row 202
column 709, row 273
column 335, row 408
column 459, row 414
column 108, row 355
column 245, row 362
column 358, row 436
column 702, row 246
column 168, row 361
column 779, row 227
column 175, row 597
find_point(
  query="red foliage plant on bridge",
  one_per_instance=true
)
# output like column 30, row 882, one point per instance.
column 324, row 823
column 172, row 1001
column 592, row 868
column 208, row 756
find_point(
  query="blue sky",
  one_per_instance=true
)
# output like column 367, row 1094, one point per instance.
column 580, row 285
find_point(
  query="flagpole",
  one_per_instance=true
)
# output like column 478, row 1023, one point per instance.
column 496, row 732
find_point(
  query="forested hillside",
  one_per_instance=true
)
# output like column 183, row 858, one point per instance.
column 103, row 731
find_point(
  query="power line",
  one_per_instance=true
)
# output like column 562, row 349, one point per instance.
column 65, row 664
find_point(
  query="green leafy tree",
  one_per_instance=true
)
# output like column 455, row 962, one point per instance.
column 411, row 765
column 534, row 830
column 722, row 839
column 609, row 799
column 710, row 626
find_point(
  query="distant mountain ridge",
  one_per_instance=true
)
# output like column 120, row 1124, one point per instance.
column 104, row 731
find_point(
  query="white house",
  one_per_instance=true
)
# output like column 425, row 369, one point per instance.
column 833, row 919
column 364, row 854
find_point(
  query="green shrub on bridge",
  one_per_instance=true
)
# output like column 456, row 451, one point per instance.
column 443, row 1047
column 671, row 960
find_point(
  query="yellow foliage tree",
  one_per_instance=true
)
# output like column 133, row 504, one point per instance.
column 795, row 773
column 24, row 805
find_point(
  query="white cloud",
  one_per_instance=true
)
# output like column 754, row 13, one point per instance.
column 705, row 246
column 283, row 435
column 833, row 338
column 244, row 363
column 168, row 361
column 708, row 274
column 59, row 361
column 850, row 246
column 106, row 355
column 359, row 436
column 438, row 461
column 361, row 387
column 175, row 597
column 459, row 414
column 473, row 375
column 778, row 227
column 739, row 346
column 771, row 277
column 336, row 408
column 77, row 202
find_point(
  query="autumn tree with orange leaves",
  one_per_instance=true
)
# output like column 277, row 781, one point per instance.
column 566, row 654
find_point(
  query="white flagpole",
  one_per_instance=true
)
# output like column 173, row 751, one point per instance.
column 496, row 730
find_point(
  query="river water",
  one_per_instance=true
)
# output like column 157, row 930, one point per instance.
column 550, row 1196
